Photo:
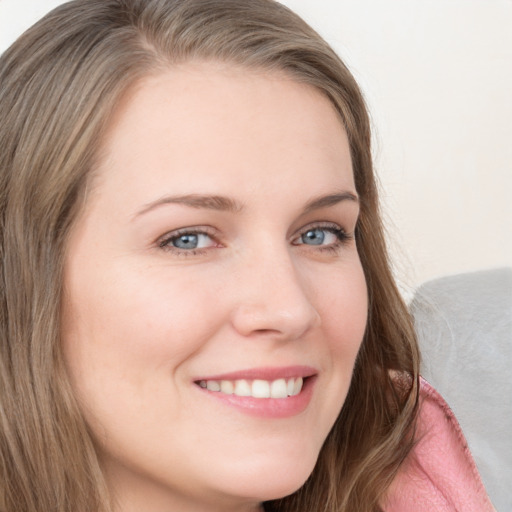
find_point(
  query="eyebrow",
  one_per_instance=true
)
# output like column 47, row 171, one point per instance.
column 198, row 201
column 330, row 200
column 222, row 203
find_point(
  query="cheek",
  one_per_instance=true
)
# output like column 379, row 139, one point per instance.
column 147, row 315
column 343, row 308
column 126, row 343
column 345, row 313
column 128, row 339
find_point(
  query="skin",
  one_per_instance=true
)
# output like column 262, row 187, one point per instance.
column 142, row 318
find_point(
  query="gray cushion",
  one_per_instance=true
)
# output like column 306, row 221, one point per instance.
column 464, row 325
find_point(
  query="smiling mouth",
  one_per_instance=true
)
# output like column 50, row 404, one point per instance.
column 257, row 388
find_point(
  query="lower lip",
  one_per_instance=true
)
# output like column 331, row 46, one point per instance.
column 267, row 407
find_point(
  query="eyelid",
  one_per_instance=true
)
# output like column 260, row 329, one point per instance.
column 163, row 242
column 327, row 226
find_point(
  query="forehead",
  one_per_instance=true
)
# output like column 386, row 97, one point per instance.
column 203, row 123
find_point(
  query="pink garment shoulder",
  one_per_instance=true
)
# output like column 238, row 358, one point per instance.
column 440, row 474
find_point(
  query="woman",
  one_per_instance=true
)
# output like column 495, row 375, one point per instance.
column 197, row 308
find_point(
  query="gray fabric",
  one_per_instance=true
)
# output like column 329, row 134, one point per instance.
column 464, row 325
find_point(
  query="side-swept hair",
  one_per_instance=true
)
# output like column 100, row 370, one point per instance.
column 60, row 83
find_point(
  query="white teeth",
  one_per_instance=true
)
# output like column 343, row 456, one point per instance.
column 278, row 389
column 226, row 386
column 289, row 387
column 258, row 388
column 213, row 385
column 297, row 387
column 242, row 388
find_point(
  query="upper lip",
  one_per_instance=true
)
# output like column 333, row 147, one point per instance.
column 264, row 373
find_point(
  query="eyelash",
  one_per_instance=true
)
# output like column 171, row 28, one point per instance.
column 341, row 235
column 165, row 242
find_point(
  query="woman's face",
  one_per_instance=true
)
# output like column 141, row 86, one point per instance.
column 216, row 250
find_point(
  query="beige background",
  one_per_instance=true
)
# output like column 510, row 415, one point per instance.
column 437, row 75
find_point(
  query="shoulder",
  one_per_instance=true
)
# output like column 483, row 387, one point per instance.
column 439, row 473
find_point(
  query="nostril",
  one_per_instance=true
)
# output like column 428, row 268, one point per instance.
column 282, row 310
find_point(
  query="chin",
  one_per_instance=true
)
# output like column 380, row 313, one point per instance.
column 274, row 479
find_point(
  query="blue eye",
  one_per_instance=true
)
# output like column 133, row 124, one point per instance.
column 190, row 241
column 187, row 241
column 313, row 237
column 322, row 236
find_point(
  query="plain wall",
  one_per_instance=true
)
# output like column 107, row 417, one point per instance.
column 437, row 76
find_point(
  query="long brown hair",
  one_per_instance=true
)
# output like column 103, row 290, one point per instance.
column 59, row 86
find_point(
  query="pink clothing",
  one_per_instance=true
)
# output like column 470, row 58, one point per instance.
column 439, row 475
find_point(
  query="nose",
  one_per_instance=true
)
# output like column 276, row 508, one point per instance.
column 273, row 299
